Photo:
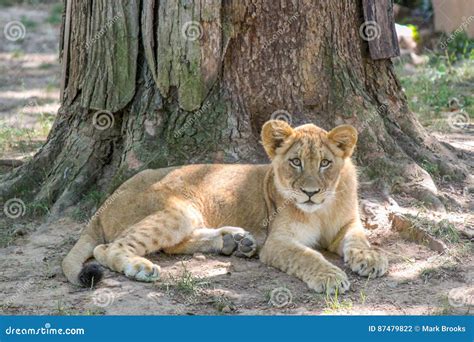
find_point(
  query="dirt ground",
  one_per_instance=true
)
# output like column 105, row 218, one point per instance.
column 423, row 279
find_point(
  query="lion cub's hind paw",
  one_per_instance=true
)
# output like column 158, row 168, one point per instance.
column 144, row 271
column 239, row 244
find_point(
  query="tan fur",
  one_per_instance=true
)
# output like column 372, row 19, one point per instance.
column 230, row 209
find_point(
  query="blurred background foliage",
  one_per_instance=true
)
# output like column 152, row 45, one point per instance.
column 436, row 68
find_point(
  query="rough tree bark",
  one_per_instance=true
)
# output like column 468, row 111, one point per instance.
column 193, row 81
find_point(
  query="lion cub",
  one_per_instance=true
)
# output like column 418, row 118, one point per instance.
column 305, row 199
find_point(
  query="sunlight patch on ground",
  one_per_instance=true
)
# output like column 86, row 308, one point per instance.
column 29, row 93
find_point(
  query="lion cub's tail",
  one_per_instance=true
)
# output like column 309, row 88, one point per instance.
column 73, row 264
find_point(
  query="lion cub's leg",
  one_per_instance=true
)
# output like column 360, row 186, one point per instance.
column 155, row 232
column 358, row 254
column 225, row 240
column 283, row 251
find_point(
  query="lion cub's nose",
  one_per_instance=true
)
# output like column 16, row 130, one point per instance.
column 310, row 193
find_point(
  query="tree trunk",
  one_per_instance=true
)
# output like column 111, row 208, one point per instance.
column 150, row 84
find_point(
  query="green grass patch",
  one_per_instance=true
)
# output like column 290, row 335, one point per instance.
column 6, row 236
column 29, row 24
column 63, row 310
column 444, row 84
column 458, row 47
column 7, row 3
column 18, row 53
column 55, row 15
column 334, row 303
column 46, row 66
column 186, row 285
column 18, row 139
column 222, row 304
column 37, row 208
column 443, row 229
column 433, row 89
column 431, row 168
column 447, row 231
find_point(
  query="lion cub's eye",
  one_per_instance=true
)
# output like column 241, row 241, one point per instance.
column 324, row 163
column 295, row 162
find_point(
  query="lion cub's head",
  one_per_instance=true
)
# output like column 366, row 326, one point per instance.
column 307, row 160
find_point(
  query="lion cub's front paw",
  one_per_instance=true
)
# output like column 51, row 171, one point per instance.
column 328, row 280
column 367, row 262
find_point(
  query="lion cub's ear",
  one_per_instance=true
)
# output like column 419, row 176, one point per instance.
column 274, row 133
column 345, row 138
